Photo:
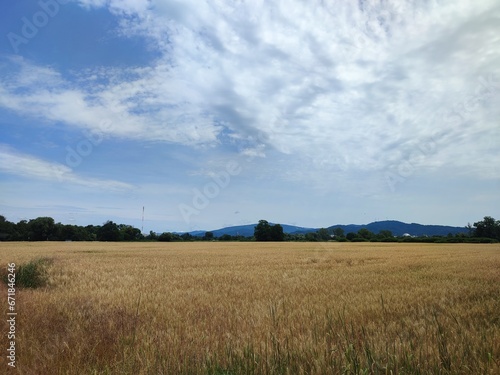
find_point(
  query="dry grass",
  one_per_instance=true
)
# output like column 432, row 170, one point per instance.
column 259, row 308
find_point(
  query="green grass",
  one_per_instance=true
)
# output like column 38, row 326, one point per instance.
column 32, row 274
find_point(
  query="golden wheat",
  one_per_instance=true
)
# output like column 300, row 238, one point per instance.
column 259, row 308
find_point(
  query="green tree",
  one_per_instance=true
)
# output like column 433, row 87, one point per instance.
column 209, row 236
column 6, row 229
column 71, row 233
column 129, row 233
column 262, row 231
column 108, row 232
column 383, row 234
column 91, row 232
column 41, row 229
column 277, row 233
column 165, row 237
column 338, row 232
column 21, row 231
column 365, row 233
column 488, row 228
column 323, row 234
column 312, row 236
column 266, row 232
column 152, row 236
column 351, row 236
column 226, row 237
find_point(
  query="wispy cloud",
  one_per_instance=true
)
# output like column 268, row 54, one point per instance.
column 28, row 166
column 145, row 108
column 328, row 82
column 334, row 96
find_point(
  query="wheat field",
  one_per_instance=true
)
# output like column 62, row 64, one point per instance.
column 258, row 308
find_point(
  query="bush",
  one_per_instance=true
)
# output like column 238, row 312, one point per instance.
column 165, row 237
column 389, row 239
column 488, row 240
column 32, row 274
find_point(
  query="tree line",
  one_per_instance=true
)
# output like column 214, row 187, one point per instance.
column 484, row 231
column 46, row 229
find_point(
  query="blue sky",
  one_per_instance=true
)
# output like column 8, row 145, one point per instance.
column 211, row 113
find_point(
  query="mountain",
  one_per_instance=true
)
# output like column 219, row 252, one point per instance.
column 397, row 228
column 247, row 230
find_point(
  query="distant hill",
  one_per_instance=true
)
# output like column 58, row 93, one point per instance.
column 247, row 230
column 397, row 228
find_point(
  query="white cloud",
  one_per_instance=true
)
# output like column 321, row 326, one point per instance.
column 330, row 82
column 146, row 108
column 348, row 87
column 19, row 164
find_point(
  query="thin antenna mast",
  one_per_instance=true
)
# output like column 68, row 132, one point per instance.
column 142, row 228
